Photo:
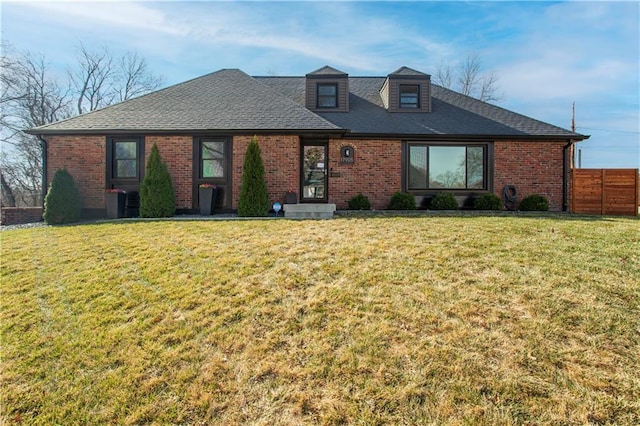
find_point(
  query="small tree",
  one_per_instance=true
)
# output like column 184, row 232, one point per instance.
column 62, row 203
column 254, row 199
column 157, row 198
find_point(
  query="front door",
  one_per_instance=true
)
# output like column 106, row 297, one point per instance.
column 313, row 177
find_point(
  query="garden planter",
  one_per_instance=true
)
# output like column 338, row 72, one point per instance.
column 207, row 199
column 115, row 202
column 291, row 198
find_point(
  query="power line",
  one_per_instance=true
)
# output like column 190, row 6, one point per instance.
column 609, row 130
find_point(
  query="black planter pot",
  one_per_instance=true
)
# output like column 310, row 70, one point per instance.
column 115, row 203
column 207, row 200
column 291, row 198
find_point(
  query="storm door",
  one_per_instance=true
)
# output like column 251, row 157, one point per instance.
column 313, row 177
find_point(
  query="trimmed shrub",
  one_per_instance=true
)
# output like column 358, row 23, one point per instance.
column 444, row 201
column 360, row 202
column 488, row 202
column 157, row 198
column 254, row 198
column 534, row 203
column 402, row 201
column 62, row 203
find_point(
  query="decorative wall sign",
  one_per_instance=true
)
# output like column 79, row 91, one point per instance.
column 346, row 154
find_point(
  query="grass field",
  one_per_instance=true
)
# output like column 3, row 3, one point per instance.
column 424, row 320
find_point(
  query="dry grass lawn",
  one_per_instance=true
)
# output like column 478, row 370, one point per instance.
column 424, row 320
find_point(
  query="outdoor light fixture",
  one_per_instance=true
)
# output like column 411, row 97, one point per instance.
column 277, row 207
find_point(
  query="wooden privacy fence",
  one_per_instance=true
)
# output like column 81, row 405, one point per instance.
column 605, row 191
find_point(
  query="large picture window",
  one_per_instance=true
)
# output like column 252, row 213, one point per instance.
column 447, row 167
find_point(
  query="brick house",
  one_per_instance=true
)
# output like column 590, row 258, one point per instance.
column 325, row 136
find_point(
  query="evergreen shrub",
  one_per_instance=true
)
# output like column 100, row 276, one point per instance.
column 534, row 203
column 157, row 198
column 254, row 198
column 444, row 201
column 488, row 202
column 62, row 203
column 359, row 202
column 402, row 201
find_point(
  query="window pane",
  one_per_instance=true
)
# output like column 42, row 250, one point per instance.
column 409, row 96
column 327, row 89
column 475, row 167
column 417, row 167
column 447, row 167
column 212, row 150
column 126, row 168
column 126, row 150
column 212, row 168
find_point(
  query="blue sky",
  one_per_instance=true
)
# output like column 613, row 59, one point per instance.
column 546, row 54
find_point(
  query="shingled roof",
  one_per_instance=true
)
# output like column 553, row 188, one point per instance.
column 231, row 101
column 226, row 100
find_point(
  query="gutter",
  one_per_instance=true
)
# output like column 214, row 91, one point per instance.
column 565, row 176
column 43, row 145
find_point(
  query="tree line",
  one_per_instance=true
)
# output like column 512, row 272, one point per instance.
column 32, row 95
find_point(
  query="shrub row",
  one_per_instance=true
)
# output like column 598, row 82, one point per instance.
column 447, row 201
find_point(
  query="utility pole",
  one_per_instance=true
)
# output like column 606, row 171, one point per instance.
column 573, row 117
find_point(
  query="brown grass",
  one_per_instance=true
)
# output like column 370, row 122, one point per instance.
column 436, row 320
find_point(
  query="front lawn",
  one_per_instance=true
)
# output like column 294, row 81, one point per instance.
column 422, row 320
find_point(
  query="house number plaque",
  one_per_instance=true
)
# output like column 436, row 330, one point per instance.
column 346, row 154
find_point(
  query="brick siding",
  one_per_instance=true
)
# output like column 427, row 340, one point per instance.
column 177, row 153
column 533, row 167
column 84, row 158
column 280, row 155
column 376, row 171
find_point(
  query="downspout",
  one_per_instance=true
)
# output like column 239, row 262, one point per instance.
column 565, row 177
column 43, row 145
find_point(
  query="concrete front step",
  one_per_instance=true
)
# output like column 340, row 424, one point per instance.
column 309, row 211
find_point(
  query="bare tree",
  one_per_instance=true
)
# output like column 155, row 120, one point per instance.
column 133, row 77
column 469, row 79
column 30, row 98
column 92, row 80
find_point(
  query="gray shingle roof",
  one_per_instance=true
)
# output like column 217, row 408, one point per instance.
column 232, row 101
column 223, row 100
column 452, row 113
column 327, row 70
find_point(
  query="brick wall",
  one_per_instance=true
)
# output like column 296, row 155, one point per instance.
column 280, row 155
column 376, row 171
column 533, row 167
column 84, row 158
column 177, row 152
column 19, row 215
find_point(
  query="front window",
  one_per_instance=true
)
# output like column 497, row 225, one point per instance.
column 327, row 95
column 447, row 167
column 212, row 159
column 125, row 159
column 409, row 96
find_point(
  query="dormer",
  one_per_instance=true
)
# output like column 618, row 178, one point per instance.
column 327, row 90
column 407, row 90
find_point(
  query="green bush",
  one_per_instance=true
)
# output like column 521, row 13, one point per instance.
column 254, row 198
column 488, row 202
column 534, row 203
column 402, row 201
column 62, row 203
column 157, row 198
column 444, row 201
column 360, row 202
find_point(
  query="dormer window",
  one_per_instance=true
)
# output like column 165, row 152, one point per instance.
column 327, row 95
column 409, row 96
column 407, row 90
column 327, row 90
